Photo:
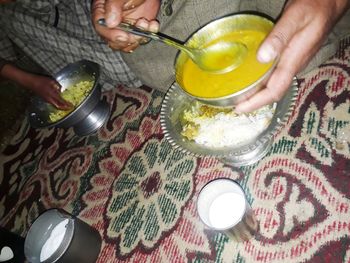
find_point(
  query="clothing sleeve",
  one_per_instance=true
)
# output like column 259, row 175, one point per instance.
column 7, row 52
column 2, row 63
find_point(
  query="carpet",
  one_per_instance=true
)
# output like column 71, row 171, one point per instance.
column 140, row 194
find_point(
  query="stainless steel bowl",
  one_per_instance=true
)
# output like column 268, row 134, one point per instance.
column 89, row 116
column 215, row 30
column 176, row 101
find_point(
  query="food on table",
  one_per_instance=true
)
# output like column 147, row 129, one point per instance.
column 75, row 95
column 222, row 127
column 204, row 84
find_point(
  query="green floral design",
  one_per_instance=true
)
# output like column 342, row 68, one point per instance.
column 149, row 195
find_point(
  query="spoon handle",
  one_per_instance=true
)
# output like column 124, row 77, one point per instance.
column 155, row 36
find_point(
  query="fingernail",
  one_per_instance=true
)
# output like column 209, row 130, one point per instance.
column 154, row 28
column 111, row 18
column 142, row 25
column 266, row 54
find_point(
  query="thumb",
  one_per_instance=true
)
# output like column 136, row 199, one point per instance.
column 113, row 12
column 280, row 36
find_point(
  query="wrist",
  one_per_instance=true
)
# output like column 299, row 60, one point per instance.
column 17, row 75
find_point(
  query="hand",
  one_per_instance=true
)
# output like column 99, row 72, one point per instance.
column 49, row 89
column 141, row 13
column 295, row 39
column 45, row 87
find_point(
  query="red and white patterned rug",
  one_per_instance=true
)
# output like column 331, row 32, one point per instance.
column 140, row 194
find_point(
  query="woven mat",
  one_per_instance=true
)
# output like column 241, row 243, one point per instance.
column 140, row 193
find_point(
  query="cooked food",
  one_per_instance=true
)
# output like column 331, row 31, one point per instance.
column 75, row 95
column 222, row 127
column 203, row 84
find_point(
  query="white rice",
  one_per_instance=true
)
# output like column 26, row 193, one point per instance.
column 230, row 129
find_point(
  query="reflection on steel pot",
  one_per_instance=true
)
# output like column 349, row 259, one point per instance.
column 87, row 117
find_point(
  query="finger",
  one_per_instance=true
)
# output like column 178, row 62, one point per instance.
column 119, row 45
column 131, row 47
column 133, row 40
column 142, row 24
column 152, row 7
column 108, row 34
column 97, row 11
column 131, row 4
column 113, row 12
column 113, row 35
column 274, row 90
column 55, row 97
column 56, row 86
column 280, row 36
column 153, row 26
column 62, row 104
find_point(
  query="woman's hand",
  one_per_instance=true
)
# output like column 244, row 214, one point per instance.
column 141, row 13
column 295, row 39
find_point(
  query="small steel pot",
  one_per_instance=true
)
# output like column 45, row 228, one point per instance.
column 215, row 30
column 89, row 116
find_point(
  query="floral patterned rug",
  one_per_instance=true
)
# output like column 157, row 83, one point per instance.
column 140, row 193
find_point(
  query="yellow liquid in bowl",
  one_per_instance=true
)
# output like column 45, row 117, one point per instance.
column 204, row 84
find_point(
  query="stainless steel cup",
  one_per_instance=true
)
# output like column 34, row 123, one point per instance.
column 222, row 206
column 77, row 241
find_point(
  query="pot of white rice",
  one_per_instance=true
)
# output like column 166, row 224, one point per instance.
column 204, row 130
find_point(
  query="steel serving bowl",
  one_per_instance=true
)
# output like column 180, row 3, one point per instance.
column 176, row 101
column 214, row 30
column 85, row 119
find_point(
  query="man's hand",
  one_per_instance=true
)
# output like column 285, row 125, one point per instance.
column 141, row 13
column 295, row 39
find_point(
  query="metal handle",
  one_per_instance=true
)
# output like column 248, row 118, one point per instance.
column 155, row 36
column 132, row 29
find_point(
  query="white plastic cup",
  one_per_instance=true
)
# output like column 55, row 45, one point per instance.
column 223, row 206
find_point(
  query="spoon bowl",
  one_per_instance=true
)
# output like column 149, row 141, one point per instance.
column 217, row 58
column 220, row 57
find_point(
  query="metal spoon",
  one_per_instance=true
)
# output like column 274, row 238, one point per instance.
column 218, row 58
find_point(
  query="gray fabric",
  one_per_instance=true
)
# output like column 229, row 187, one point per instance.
column 30, row 25
column 331, row 44
column 153, row 63
column 3, row 63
